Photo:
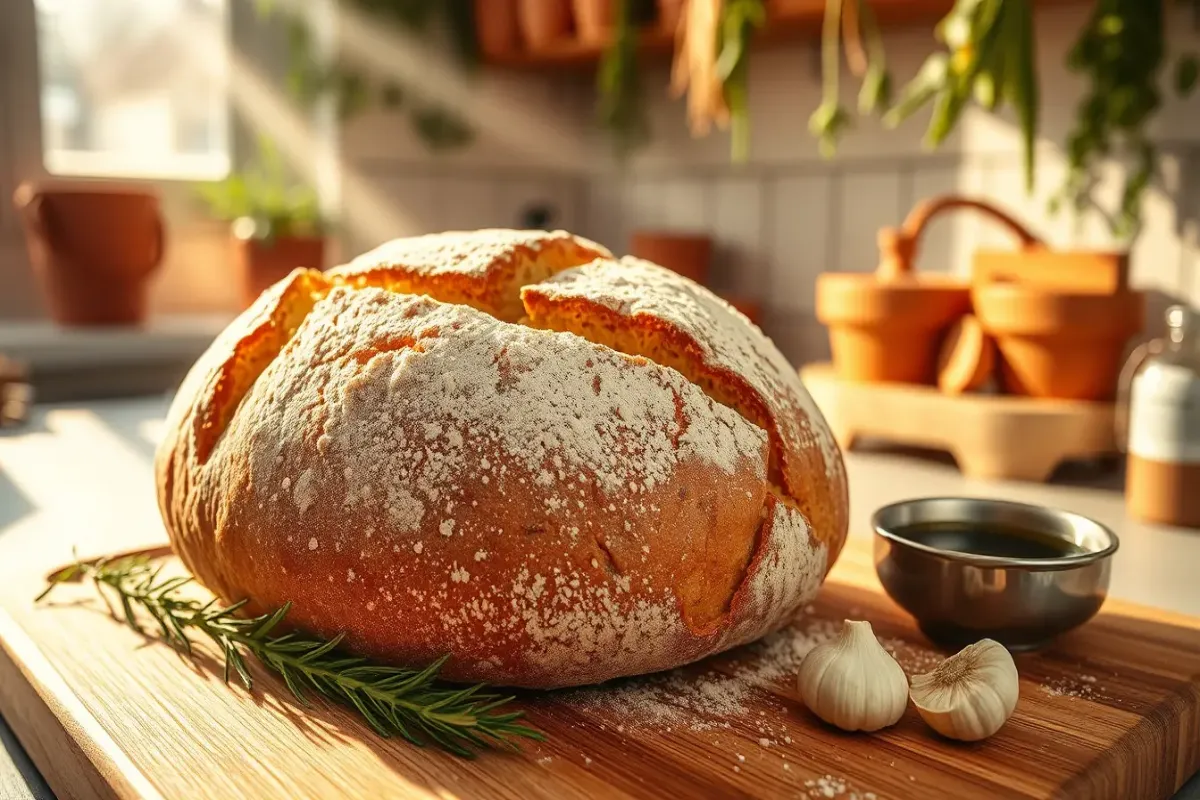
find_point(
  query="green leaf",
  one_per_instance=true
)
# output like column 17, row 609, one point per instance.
column 827, row 123
column 1021, row 86
column 619, row 106
column 946, row 111
column 441, row 128
column 981, row 51
column 876, row 92
column 987, row 90
column 739, row 20
column 920, row 90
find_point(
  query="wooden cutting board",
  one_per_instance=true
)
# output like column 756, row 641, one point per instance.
column 1112, row 711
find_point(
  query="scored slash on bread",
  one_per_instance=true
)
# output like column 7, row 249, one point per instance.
column 484, row 270
column 640, row 308
column 556, row 467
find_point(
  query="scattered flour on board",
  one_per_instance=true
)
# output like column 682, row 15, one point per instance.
column 914, row 659
column 709, row 699
column 1080, row 687
column 832, row 786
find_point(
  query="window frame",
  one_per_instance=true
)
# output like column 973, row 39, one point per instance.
column 19, row 105
column 250, row 38
column 21, row 146
column 21, row 154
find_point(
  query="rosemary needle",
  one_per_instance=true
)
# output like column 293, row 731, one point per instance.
column 393, row 700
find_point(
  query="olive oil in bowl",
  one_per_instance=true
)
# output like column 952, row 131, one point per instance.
column 970, row 568
column 988, row 539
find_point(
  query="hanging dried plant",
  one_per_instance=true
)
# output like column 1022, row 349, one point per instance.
column 711, row 66
column 694, row 71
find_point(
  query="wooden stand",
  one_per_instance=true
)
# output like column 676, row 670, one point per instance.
column 990, row 436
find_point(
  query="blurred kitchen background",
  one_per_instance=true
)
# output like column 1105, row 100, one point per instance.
column 335, row 126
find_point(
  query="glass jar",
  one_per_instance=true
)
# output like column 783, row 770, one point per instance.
column 1159, row 409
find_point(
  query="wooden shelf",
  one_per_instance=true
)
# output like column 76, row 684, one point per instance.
column 574, row 53
column 801, row 19
column 792, row 20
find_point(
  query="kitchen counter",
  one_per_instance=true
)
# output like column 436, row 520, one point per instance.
column 90, row 464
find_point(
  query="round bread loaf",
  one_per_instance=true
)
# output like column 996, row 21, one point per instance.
column 508, row 447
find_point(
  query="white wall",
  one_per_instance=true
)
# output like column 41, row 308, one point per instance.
column 532, row 146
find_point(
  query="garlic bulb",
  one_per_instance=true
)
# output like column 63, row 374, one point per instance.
column 971, row 694
column 852, row 682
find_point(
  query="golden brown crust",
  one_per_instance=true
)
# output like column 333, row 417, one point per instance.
column 643, row 309
column 429, row 479
column 482, row 269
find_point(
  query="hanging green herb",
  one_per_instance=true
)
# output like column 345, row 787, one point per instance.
column 875, row 95
column 830, row 119
column 1121, row 50
column 711, row 66
column 851, row 23
column 990, row 58
column 739, row 20
column 621, row 109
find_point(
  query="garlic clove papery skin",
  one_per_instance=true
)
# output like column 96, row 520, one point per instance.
column 852, row 682
column 970, row 695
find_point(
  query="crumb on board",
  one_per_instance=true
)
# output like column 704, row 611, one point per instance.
column 833, row 786
column 1082, row 687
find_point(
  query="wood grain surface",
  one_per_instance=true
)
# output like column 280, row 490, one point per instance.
column 1112, row 711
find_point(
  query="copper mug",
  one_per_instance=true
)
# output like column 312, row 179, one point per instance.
column 93, row 248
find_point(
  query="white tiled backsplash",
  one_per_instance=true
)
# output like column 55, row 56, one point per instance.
column 788, row 214
column 778, row 220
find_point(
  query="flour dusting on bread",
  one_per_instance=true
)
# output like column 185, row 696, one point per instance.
column 429, row 478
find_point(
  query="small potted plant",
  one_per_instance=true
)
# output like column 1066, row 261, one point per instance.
column 275, row 222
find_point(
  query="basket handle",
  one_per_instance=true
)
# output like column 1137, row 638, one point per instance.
column 898, row 246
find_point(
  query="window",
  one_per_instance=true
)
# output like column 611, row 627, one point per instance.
column 134, row 88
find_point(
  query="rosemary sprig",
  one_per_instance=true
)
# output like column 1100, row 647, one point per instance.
column 393, row 700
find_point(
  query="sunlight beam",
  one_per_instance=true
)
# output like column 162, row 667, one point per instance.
column 525, row 124
column 359, row 206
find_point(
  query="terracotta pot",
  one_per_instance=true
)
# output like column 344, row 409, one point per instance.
column 593, row 20
column 888, row 326
column 543, row 22
column 496, row 26
column 669, row 14
column 1056, row 344
column 263, row 262
column 888, row 331
column 689, row 254
column 93, row 248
